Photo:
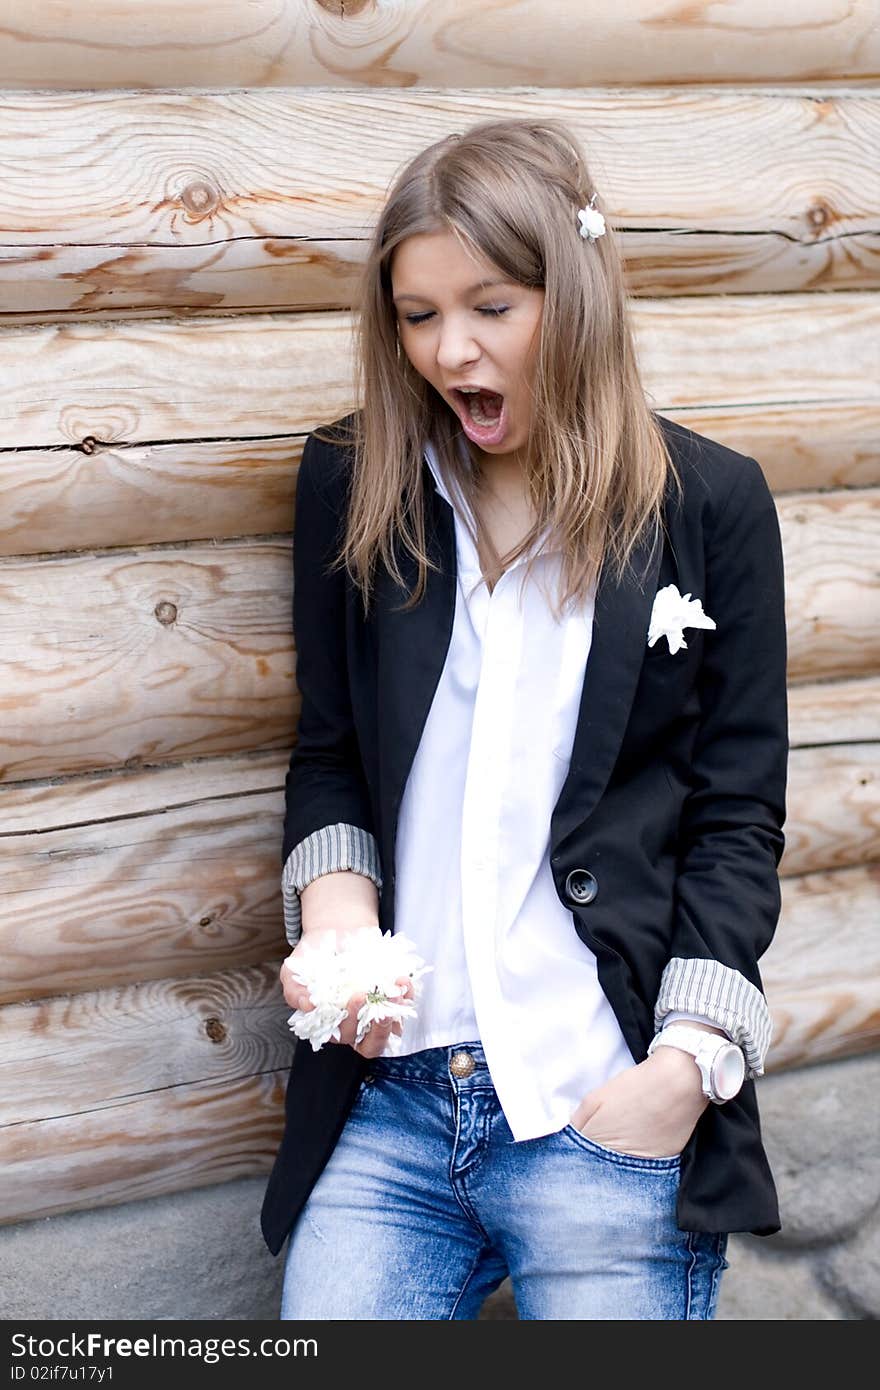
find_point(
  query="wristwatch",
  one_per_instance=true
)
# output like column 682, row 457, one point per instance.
column 721, row 1062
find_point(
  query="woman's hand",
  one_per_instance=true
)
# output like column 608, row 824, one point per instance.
column 376, row 1038
column 649, row 1110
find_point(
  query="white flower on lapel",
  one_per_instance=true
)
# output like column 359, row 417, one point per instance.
column 672, row 612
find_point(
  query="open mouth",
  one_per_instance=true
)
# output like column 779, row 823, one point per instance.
column 483, row 415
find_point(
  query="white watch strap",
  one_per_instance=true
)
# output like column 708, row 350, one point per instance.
column 692, row 1040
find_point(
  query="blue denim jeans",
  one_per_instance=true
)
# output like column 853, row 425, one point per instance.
column 426, row 1204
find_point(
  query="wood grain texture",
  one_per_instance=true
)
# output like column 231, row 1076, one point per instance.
column 833, row 803
column 101, row 1048
column 140, row 876
column 115, row 659
column 130, row 494
column 353, row 43
column 258, row 377
column 830, row 543
column 151, row 656
column 136, row 1090
column 834, row 712
column 211, row 203
column 169, row 872
column 142, row 1146
column 124, row 495
column 800, row 444
column 821, row 973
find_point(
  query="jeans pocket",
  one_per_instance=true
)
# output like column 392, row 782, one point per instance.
column 667, row 1164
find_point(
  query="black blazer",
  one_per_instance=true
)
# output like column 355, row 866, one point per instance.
column 674, row 801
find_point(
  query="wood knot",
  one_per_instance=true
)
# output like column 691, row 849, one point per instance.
column 166, row 613
column 206, row 921
column 200, row 198
column 215, row 1030
column 819, row 215
column 89, row 444
column 343, row 8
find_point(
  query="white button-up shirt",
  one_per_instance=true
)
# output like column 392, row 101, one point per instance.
column 474, row 889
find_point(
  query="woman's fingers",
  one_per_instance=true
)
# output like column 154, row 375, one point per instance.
column 295, row 994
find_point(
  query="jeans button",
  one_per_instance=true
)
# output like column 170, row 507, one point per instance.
column 462, row 1064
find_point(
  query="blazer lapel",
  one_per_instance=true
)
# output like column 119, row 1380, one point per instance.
column 412, row 650
column 617, row 650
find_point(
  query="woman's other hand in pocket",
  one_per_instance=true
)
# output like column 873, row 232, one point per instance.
column 649, row 1110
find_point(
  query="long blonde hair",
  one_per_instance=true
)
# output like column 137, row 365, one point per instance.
column 598, row 460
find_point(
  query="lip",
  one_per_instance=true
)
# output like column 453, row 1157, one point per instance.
column 483, row 437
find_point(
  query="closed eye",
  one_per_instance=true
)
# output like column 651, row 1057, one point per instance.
column 416, row 319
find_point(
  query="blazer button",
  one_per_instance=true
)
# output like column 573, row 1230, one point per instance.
column 581, row 886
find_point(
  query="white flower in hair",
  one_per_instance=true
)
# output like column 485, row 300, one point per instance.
column 671, row 613
column 367, row 962
column 591, row 220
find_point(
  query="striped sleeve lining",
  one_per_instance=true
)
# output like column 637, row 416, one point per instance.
column 325, row 851
column 723, row 995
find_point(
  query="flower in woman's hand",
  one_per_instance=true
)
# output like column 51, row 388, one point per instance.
column 377, row 1008
column 318, row 1025
column 366, row 962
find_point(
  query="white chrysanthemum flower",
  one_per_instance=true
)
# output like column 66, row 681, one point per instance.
column 317, row 1025
column 366, row 961
column 671, row 613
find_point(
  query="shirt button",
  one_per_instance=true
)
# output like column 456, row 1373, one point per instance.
column 581, row 886
column 461, row 1064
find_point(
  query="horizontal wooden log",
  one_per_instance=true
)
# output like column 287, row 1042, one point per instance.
column 800, row 445
column 125, row 495
column 262, row 376
column 150, row 656
column 175, row 871
column 834, row 712
column 830, row 543
column 144, row 1146
column 133, row 1091
column 821, row 973
column 144, row 657
column 128, row 202
column 141, row 876
column 349, row 43
column 85, row 1052
column 166, row 654
column 833, row 804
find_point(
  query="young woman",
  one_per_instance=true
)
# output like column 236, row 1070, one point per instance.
column 541, row 654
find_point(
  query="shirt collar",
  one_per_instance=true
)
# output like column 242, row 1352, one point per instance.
column 430, row 454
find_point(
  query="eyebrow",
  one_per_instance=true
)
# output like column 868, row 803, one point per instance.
column 480, row 285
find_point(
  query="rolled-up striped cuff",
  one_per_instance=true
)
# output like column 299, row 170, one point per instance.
column 325, row 851
column 723, row 995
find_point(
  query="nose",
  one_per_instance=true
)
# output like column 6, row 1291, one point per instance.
column 456, row 346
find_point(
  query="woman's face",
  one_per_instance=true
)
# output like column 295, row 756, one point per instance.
column 459, row 329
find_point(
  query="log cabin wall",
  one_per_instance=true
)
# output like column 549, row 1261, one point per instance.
column 181, row 224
